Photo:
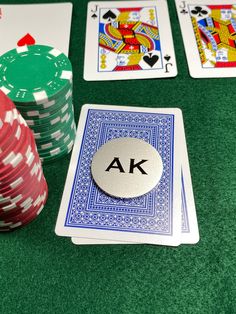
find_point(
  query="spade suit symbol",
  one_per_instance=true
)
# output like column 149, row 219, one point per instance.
column 150, row 59
column 109, row 15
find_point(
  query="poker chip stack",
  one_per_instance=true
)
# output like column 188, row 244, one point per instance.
column 39, row 80
column 23, row 188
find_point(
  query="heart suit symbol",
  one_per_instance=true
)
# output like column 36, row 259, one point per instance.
column 26, row 40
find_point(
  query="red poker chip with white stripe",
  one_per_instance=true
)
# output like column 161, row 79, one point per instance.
column 13, row 136
column 16, row 158
column 21, row 202
column 23, row 188
column 15, row 174
column 22, row 213
column 30, row 211
column 22, row 220
column 27, row 170
column 17, row 148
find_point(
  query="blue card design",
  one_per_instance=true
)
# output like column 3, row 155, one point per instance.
column 128, row 40
column 187, row 231
column 189, row 225
column 86, row 211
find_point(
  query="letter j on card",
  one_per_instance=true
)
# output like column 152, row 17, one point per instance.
column 128, row 40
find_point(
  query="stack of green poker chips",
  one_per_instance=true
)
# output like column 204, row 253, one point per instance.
column 39, row 80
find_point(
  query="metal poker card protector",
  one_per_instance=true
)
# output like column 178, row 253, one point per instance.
column 136, row 170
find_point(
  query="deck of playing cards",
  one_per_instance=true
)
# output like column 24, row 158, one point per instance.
column 129, row 179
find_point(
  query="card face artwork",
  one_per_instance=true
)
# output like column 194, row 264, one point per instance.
column 209, row 34
column 43, row 24
column 128, row 40
column 86, row 211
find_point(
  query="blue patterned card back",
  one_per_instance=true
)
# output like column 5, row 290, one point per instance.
column 88, row 207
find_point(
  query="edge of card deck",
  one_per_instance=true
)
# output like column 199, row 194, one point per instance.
column 172, row 240
column 191, row 235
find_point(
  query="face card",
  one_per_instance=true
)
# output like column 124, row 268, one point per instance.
column 46, row 24
column 189, row 224
column 128, row 40
column 209, row 34
column 86, row 211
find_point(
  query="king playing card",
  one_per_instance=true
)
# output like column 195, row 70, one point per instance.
column 128, row 40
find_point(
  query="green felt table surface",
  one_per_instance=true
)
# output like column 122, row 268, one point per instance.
column 43, row 273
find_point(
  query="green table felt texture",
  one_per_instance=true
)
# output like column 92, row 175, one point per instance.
column 43, row 273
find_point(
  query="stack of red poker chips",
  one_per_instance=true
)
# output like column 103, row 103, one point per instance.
column 23, row 188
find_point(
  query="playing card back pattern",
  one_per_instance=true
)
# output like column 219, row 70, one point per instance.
column 215, row 32
column 89, row 207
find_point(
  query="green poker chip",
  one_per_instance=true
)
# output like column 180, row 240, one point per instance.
column 39, row 81
column 51, row 118
column 57, row 147
column 50, row 106
column 57, row 141
column 57, row 154
column 54, row 136
column 34, row 74
column 41, row 133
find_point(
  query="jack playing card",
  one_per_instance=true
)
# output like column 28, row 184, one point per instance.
column 128, row 40
column 155, row 217
column 209, row 33
column 45, row 24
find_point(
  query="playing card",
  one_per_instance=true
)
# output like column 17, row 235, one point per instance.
column 86, row 211
column 28, row 24
column 189, row 225
column 209, row 34
column 128, row 40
